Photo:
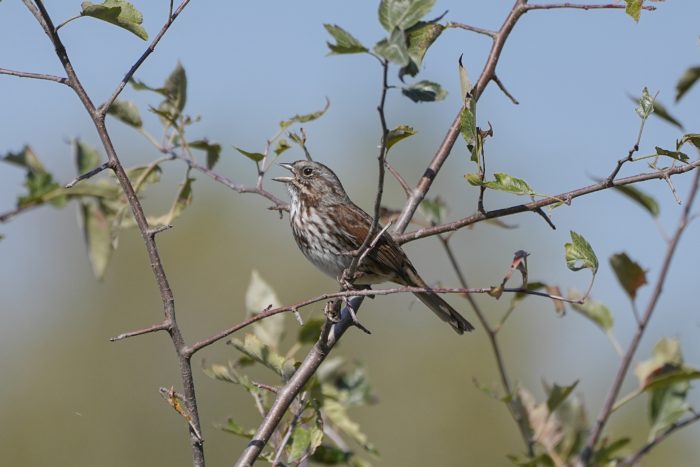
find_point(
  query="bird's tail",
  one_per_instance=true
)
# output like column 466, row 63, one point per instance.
column 439, row 306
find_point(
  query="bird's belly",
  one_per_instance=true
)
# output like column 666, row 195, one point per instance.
column 330, row 263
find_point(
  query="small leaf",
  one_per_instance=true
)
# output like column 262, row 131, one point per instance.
column 419, row 38
column 662, row 112
column 305, row 117
column 634, row 8
column 86, row 157
column 630, row 274
column 689, row 78
column 254, row 156
column 424, row 91
column 580, row 255
column 182, row 200
column 595, row 311
column 118, row 12
column 434, row 210
column 282, row 145
column 259, row 297
column 558, row 394
column 221, row 373
column 310, row 331
column 126, row 112
column 646, row 104
column 467, row 127
column 337, row 414
column 502, row 182
column 604, row 455
column 261, row 353
column 465, row 85
column 98, row 236
column 394, row 48
column 692, row 138
column 399, row 133
column 27, row 159
column 403, row 14
column 233, row 427
column 330, row 455
column 345, row 43
column 175, row 91
column 677, row 155
column 213, row 150
column 304, row 442
column 637, row 195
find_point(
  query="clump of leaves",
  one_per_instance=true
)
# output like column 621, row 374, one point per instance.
column 320, row 409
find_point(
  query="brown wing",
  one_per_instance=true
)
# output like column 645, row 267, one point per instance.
column 386, row 259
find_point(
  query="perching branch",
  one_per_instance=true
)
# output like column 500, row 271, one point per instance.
column 641, row 326
column 27, row 74
column 634, row 458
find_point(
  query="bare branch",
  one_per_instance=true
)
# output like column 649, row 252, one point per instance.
column 88, row 174
column 502, row 87
column 634, row 343
column 27, row 74
column 6, row 216
column 466, row 27
column 164, row 326
column 577, row 6
column 534, row 205
column 635, row 457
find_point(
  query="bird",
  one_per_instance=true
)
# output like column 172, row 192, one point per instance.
column 329, row 229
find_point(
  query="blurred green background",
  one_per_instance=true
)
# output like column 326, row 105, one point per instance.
column 69, row 397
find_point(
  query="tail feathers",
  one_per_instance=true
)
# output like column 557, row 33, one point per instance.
column 445, row 312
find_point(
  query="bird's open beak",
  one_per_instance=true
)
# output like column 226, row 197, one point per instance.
column 285, row 179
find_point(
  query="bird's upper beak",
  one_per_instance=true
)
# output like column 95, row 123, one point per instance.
column 285, row 179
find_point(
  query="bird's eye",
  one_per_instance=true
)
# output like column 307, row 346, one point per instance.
column 307, row 171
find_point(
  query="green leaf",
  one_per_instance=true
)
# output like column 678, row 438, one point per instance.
column 138, row 85
column 338, row 415
column 213, row 150
column 233, row 427
column 86, row 157
column 143, row 174
column 330, row 455
column 259, row 297
column 558, row 394
column 419, row 38
column 646, row 104
column 403, row 14
column 254, row 156
column 305, row 117
column 630, row 274
column 692, row 138
column 424, row 91
column 98, row 236
column 221, row 373
column 687, row 80
column 666, row 378
column 604, row 455
column 182, row 200
column 502, row 182
column 595, row 311
column 394, row 48
column 580, row 255
column 467, row 127
column 677, row 155
column 256, row 350
column 27, row 159
column 637, row 195
column 175, row 91
column 465, row 85
column 399, row 133
column 126, row 112
column 282, row 145
column 42, row 188
column 304, row 442
column 118, row 12
column 310, row 331
column 634, row 8
column 345, row 43
column 434, row 210
column 662, row 112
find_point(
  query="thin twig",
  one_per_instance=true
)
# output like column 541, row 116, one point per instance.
column 27, row 74
column 6, row 216
column 467, row 27
column 139, row 332
column 514, row 407
column 614, row 390
column 577, row 6
column 88, row 174
column 502, row 87
column 634, row 458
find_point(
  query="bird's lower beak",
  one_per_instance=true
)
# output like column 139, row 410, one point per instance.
column 285, row 179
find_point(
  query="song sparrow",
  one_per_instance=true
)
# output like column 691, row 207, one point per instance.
column 328, row 228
